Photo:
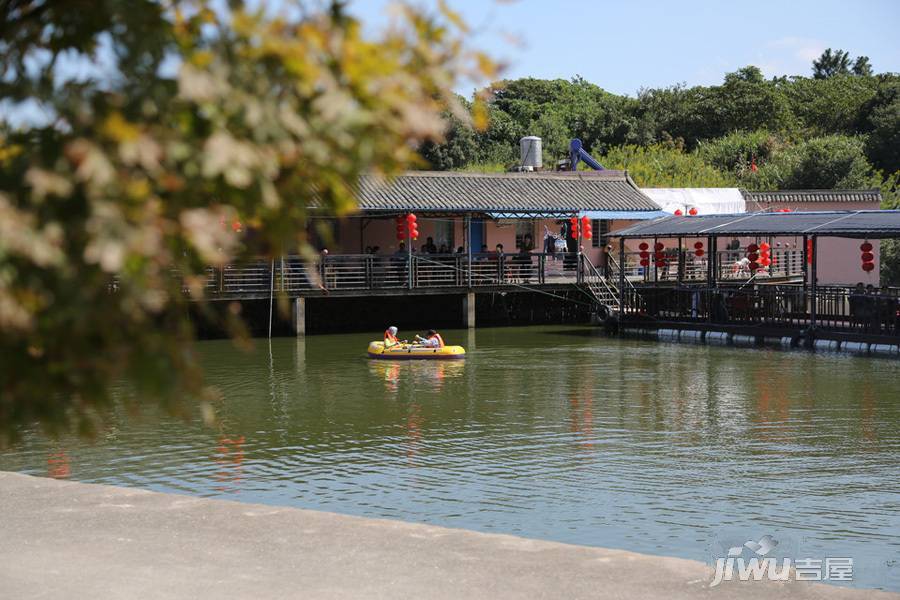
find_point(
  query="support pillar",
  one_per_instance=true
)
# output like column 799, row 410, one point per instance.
column 469, row 310
column 621, row 276
column 468, row 231
column 814, row 283
column 298, row 316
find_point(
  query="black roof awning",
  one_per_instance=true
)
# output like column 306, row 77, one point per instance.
column 863, row 224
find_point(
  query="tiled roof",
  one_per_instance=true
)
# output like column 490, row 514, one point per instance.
column 873, row 195
column 503, row 192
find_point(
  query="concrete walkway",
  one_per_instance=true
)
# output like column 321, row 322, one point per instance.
column 72, row 540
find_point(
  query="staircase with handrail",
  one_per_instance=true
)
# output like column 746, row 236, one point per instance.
column 602, row 289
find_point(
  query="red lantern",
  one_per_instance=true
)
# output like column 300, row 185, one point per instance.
column 586, row 228
column 699, row 252
column 868, row 257
column 752, row 256
column 659, row 246
column 643, row 246
column 753, row 265
column 765, row 247
column 645, row 262
column 765, row 261
column 752, row 248
column 693, row 212
column 678, row 212
column 698, row 245
column 645, row 255
column 660, row 264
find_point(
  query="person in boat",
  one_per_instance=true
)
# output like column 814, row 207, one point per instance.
column 390, row 337
column 432, row 339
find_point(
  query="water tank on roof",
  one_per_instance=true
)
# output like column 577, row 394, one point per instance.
column 530, row 152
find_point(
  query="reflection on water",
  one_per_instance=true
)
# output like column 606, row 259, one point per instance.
column 543, row 432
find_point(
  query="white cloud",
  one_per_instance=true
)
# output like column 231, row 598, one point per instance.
column 799, row 48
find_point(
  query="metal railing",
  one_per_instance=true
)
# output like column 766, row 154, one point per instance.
column 786, row 264
column 601, row 285
column 293, row 274
column 836, row 308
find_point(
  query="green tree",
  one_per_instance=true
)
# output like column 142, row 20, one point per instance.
column 457, row 148
column 737, row 152
column 883, row 124
column 862, row 66
column 135, row 175
column 831, row 63
column 828, row 106
column 830, row 162
column 664, row 165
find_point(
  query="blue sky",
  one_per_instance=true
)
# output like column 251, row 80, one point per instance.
column 625, row 45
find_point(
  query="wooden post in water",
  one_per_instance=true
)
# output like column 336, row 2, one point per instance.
column 469, row 309
column 298, row 315
column 271, row 293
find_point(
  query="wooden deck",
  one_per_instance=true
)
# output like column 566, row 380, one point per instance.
column 371, row 275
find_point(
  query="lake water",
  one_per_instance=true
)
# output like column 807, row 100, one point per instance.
column 552, row 432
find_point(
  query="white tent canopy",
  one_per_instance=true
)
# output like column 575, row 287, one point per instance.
column 707, row 201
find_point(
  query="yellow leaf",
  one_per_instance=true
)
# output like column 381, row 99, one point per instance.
column 480, row 116
column 118, row 129
column 453, row 16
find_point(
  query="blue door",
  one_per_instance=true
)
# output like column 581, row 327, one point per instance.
column 477, row 234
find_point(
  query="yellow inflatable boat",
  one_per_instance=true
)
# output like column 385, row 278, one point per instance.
column 413, row 352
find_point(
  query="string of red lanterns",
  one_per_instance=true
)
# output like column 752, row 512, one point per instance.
column 645, row 256
column 413, row 226
column 868, row 257
column 765, row 258
column 753, row 257
column 581, row 229
column 659, row 255
column 407, row 227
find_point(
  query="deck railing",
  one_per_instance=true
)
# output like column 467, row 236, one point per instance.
column 787, row 264
column 836, row 308
column 295, row 275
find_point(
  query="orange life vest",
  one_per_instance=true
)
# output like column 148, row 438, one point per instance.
column 390, row 337
column 439, row 339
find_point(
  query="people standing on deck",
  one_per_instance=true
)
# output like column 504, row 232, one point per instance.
column 429, row 247
column 432, row 339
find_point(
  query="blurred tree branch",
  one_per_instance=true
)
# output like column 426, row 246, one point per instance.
column 137, row 173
